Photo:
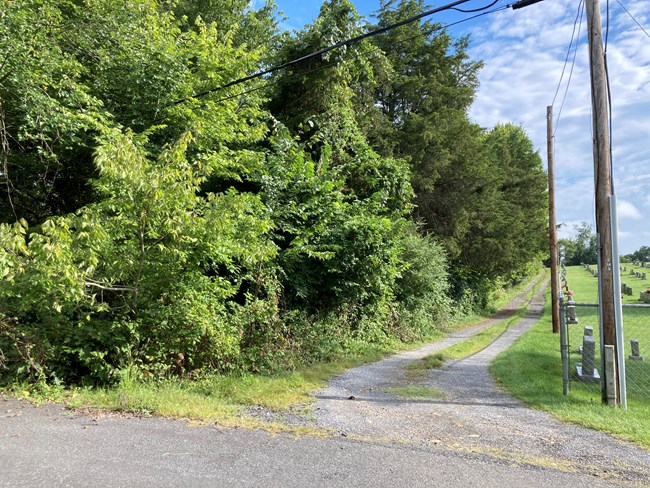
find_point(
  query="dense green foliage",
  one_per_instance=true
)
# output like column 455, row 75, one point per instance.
column 482, row 194
column 155, row 223
column 582, row 248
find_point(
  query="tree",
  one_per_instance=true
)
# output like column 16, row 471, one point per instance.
column 148, row 266
column 419, row 113
column 205, row 237
column 642, row 254
column 583, row 248
column 510, row 228
column 481, row 194
column 357, row 259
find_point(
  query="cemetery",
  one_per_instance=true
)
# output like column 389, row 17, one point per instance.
column 581, row 297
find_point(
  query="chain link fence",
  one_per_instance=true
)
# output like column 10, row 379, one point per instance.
column 584, row 351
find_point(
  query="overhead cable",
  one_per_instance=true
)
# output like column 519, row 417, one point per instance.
column 632, row 17
column 573, row 62
column 329, row 65
column 337, row 45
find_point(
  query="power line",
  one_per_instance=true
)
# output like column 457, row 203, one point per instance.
column 337, row 45
column 632, row 16
column 609, row 93
column 334, row 63
column 609, row 102
column 573, row 62
column 568, row 52
column 471, row 11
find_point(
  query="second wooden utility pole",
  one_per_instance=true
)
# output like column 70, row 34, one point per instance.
column 603, row 178
column 552, row 227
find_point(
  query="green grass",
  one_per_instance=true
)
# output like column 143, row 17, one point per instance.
column 636, row 325
column 218, row 398
column 585, row 286
column 222, row 399
column 419, row 369
column 415, row 391
column 532, row 370
column 475, row 343
column 503, row 296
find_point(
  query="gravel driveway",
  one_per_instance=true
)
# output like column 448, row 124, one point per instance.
column 474, row 415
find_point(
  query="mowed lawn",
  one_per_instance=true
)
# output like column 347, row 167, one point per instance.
column 585, row 286
column 532, row 368
column 636, row 326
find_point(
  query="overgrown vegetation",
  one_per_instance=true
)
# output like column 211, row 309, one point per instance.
column 158, row 223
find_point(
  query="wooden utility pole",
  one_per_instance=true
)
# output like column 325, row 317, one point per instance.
column 552, row 227
column 603, row 186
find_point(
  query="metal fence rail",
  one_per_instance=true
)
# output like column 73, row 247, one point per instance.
column 583, row 321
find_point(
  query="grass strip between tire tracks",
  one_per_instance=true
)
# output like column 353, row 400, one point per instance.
column 475, row 343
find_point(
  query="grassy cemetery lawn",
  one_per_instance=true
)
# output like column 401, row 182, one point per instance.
column 636, row 326
column 585, row 286
column 532, row 368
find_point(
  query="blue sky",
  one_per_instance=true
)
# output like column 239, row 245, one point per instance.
column 524, row 52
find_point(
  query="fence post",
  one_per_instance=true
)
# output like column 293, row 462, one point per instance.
column 610, row 374
column 564, row 346
column 618, row 307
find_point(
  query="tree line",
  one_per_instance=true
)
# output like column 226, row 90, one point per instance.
column 582, row 247
column 155, row 222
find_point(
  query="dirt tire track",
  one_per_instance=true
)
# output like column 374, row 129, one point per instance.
column 475, row 414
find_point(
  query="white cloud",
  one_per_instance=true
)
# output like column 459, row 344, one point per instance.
column 627, row 210
column 524, row 52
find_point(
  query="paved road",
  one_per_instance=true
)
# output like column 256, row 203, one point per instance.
column 475, row 437
column 50, row 447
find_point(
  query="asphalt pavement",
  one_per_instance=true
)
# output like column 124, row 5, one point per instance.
column 49, row 446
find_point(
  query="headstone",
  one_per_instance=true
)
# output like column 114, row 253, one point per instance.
column 571, row 317
column 588, row 331
column 631, row 272
column 643, row 276
column 635, row 356
column 587, row 370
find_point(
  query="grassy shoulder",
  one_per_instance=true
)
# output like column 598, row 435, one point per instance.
column 225, row 398
column 221, row 399
column 532, row 371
